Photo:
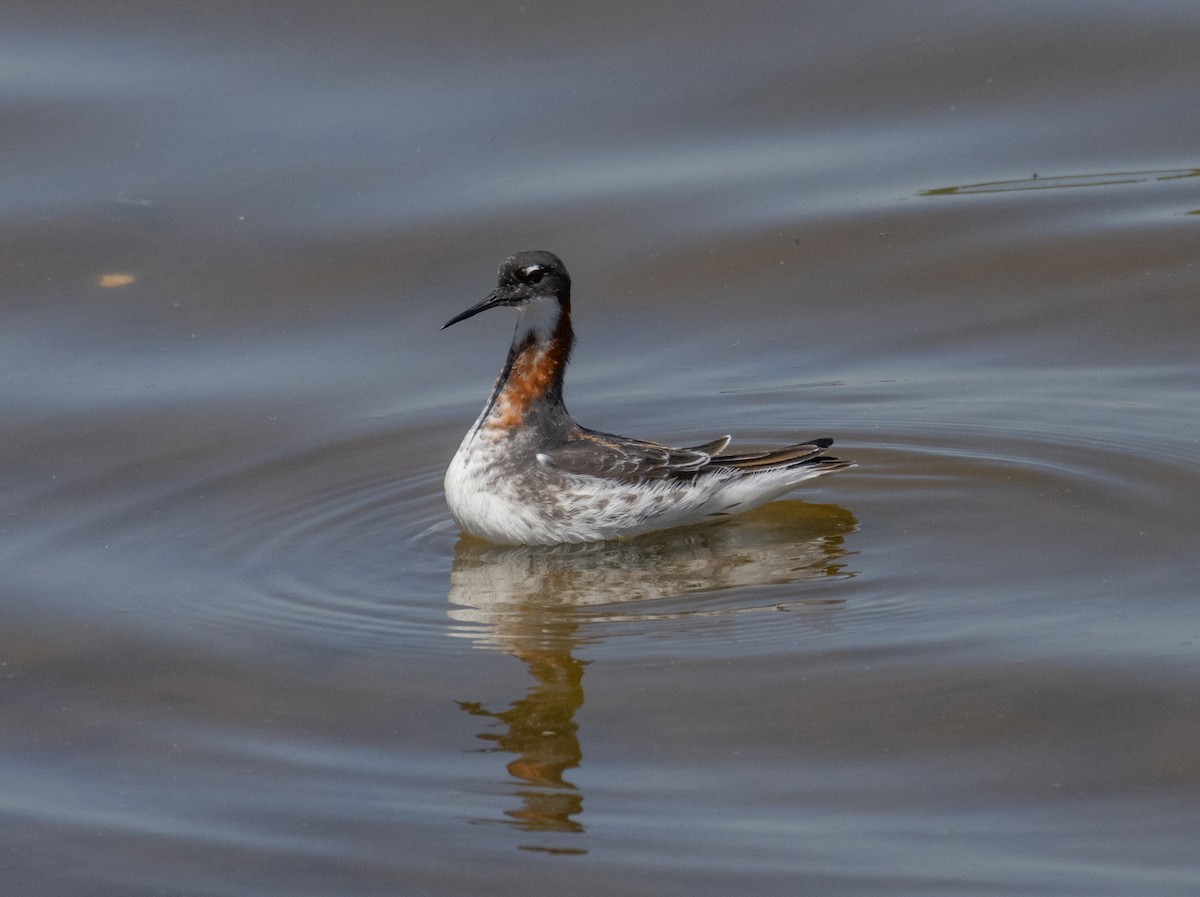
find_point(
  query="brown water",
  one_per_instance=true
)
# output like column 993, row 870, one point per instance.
column 242, row 647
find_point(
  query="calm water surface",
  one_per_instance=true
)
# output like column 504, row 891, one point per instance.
column 243, row 647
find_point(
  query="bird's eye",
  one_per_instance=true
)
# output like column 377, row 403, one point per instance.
column 535, row 274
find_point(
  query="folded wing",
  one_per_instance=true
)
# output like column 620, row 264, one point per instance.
column 590, row 453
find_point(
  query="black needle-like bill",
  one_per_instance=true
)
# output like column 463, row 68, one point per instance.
column 494, row 298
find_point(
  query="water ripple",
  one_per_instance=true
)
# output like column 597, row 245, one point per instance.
column 329, row 544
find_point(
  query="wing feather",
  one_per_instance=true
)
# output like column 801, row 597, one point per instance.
column 590, row 453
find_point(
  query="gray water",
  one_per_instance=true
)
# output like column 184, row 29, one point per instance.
column 243, row 648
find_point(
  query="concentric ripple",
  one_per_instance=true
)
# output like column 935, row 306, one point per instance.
column 328, row 542
column 348, row 542
column 345, row 557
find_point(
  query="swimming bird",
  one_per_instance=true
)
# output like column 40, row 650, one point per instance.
column 527, row 474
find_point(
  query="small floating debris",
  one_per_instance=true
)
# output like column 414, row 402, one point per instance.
column 114, row 280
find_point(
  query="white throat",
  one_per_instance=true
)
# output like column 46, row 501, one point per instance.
column 539, row 317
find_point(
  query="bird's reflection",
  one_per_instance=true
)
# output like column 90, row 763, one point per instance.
column 536, row 604
column 540, row 730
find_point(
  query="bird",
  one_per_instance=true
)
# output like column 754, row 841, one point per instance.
column 527, row 474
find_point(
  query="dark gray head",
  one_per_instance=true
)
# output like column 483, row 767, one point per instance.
column 526, row 278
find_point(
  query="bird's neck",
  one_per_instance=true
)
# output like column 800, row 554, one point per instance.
column 532, row 377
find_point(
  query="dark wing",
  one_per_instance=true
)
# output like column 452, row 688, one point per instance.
column 605, row 455
column 788, row 456
column 711, row 448
column 807, row 455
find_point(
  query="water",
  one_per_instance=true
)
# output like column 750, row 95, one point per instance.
column 244, row 650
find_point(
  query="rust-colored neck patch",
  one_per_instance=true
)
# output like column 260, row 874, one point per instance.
column 533, row 372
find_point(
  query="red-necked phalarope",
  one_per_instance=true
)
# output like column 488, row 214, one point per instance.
column 527, row 474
